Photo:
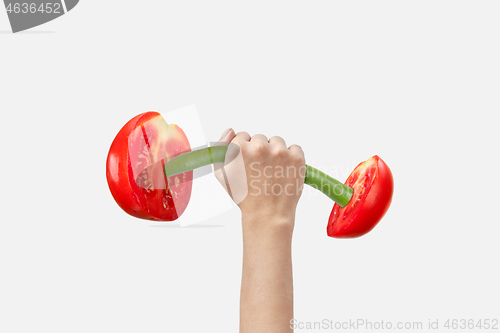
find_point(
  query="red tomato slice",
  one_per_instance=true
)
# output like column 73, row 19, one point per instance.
column 373, row 186
column 134, row 169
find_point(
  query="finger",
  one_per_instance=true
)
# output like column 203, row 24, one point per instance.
column 259, row 137
column 297, row 150
column 277, row 141
column 241, row 137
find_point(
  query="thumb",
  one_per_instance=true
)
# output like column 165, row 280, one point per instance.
column 227, row 136
column 219, row 173
column 233, row 149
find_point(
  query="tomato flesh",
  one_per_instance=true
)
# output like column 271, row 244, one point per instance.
column 373, row 186
column 135, row 169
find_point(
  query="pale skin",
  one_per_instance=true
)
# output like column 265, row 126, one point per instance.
column 268, row 218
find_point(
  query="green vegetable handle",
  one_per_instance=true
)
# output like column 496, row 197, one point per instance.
column 331, row 187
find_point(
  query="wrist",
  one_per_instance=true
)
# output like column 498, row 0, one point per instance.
column 271, row 213
column 261, row 227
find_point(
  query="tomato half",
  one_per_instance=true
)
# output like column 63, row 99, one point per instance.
column 134, row 169
column 373, row 186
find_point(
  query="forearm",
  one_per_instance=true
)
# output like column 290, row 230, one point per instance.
column 268, row 202
column 266, row 303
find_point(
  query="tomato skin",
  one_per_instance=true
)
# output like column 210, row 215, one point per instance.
column 124, row 189
column 372, row 207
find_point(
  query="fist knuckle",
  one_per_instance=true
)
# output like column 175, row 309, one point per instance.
column 240, row 134
column 279, row 152
column 298, row 158
column 259, row 147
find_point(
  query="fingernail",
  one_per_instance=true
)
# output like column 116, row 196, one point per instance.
column 226, row 132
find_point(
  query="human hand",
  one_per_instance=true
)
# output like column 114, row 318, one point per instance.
column 264, row 177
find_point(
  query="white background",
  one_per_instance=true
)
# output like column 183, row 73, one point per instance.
column 415, row 82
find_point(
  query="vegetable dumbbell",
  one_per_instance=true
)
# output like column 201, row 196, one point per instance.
column 149, row 173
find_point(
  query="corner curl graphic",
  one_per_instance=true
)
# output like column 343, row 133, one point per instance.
column 26, row 14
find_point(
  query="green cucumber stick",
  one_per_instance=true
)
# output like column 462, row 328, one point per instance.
column 331, row 187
